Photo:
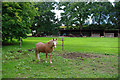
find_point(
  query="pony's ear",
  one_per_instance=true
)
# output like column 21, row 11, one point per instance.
column 48, row 42
column 53, row 39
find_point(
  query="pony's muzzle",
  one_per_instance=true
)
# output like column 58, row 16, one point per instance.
column 54, row 46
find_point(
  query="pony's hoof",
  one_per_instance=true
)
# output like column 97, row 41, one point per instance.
column 45, row 61
column 51, row 62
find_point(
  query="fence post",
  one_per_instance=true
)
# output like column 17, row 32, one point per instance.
column 62, row 43
column 20, row 42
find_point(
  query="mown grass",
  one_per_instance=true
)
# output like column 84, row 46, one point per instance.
column 23, row 65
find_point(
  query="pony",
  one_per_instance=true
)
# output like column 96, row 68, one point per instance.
column 45, row 48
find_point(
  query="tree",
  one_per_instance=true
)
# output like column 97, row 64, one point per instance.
column 115, row 15
column 17, row 18
column 45, row 21
column 100, row 12
column 75, row 13
column 103, row 15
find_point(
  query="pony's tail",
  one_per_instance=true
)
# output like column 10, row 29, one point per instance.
column 36, row 52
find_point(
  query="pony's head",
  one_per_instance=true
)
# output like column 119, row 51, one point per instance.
column 53, row 42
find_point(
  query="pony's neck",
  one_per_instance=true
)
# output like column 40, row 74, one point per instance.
column 51, row 46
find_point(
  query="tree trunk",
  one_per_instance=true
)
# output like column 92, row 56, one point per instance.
column 11, row 39
column 81, row 35
column 32, row 33
column 20, row 42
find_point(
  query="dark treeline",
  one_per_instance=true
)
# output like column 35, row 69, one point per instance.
column 22, row 18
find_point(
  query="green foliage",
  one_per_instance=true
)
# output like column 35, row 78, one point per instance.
column 17, row 18
column 114, row 16
column 105, row 15
column 75, row 13
column 45, row 20
column 100, row 12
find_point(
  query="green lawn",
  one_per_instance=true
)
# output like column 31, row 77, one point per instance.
column 22, row 65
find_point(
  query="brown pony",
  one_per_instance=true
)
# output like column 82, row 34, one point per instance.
column 45, row 48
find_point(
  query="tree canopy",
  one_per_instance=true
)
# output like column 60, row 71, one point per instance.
column 17, row 18
column 100, row 13
column 20, row 18
column 45, row 21
column 75, row 13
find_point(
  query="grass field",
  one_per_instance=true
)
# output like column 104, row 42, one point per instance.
column 82, row 58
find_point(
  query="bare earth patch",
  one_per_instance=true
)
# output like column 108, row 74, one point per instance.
column 75, row 55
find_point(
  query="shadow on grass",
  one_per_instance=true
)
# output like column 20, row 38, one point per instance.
column 8, row 43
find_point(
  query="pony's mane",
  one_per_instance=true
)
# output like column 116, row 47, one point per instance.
column 50, row 43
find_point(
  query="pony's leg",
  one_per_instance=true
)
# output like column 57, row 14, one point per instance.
column 37, row 55
column 50, row 58
column 46, row 58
